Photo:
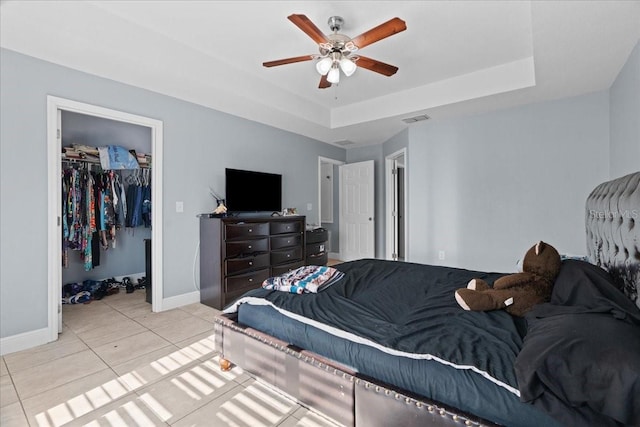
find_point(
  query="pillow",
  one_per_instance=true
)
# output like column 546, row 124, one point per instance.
column 583, row 349
column 582, row 287
column 591, row 361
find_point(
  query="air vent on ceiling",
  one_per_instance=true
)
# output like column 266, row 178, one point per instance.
column 344, row 143
column 416, row 119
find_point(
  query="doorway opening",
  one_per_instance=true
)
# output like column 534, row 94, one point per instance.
column 56, row 108
column 396, row 205
column 328, row 203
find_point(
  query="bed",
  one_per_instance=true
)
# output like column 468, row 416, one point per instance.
column 388, row 344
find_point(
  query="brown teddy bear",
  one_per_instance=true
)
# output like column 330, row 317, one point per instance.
column 516, row 293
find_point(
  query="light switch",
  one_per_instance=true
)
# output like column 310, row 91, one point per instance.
column 179, row 206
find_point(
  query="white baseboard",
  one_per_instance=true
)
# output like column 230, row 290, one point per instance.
column 38, row 337
column 24, row 341
column 180, row 300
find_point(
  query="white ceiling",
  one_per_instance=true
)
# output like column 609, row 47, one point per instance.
column 456, row 57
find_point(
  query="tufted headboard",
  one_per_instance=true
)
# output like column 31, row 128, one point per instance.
column 613, row 231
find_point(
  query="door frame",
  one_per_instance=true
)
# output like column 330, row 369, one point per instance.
column 390, row 204
column 54, row 236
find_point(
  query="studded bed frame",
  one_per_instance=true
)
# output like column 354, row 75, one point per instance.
column 613, row 242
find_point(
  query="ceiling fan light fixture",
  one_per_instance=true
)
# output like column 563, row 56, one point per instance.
column 348, row 66
column 334, row 75
column 337, row 50
column 324, row 65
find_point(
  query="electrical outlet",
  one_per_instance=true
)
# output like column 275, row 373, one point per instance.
column 440, row 255
column 309, row 206
column 180, row 207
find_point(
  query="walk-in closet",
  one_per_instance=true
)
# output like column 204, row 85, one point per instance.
column 106, row 208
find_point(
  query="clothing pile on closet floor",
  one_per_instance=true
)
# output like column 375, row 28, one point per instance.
column 89, row 290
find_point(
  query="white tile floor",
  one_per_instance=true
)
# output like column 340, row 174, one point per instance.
column 118, row 364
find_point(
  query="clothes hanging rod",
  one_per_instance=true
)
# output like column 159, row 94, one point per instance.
column 97, row 162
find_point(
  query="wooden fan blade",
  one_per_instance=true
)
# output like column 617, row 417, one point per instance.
column 305, row 24
column 380, row 32
column 377, row 66
column 288, row 61
column 324, row 83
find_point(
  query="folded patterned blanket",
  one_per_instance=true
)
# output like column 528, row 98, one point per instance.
column 306, row 279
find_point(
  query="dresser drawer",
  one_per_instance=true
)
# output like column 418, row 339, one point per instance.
column 239, row 265
column 247, row 247
column 286, row 240
column 317, row 235
column 242, row 230
column 316, row 248
column 319, row 259
column 286, row 255
column 286, row 227
column 285, row 268
column 241, row 282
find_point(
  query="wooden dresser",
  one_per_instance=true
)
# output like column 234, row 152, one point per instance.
column 238, row 254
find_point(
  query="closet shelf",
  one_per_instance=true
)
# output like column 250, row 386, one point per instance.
column 92, row 155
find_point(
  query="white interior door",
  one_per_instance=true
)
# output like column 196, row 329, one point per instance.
column 357, row 219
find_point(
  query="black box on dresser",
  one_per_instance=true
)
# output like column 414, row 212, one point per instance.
column 238, row 253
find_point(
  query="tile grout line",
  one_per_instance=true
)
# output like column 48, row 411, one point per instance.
column 238, row 386
column 24, row 412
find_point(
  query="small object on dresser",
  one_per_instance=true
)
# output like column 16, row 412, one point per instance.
column 221, row 209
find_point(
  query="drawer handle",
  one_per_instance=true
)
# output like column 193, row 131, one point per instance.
column 288, row 241
column 250, row 262
column 288, row 255
column 251, row 280
column 250, row 246
column 250, row 230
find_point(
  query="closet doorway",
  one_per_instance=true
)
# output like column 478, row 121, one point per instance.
column 396, row 205
column 73, row 113
column 328, row 203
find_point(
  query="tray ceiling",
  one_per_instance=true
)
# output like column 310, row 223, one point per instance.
column 456, row 57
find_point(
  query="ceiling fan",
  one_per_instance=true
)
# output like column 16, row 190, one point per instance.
column 337, row 50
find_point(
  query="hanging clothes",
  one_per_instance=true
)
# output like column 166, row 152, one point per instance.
column 94, row 207
column 138, row 195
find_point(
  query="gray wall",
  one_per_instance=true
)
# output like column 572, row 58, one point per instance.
column 485, row 188
column 97, row 131
column 198, row 144
column 625, row 118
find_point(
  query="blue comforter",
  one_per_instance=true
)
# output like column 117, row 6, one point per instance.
column 404, row 317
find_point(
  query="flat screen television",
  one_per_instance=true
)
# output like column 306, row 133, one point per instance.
column 251, row 191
